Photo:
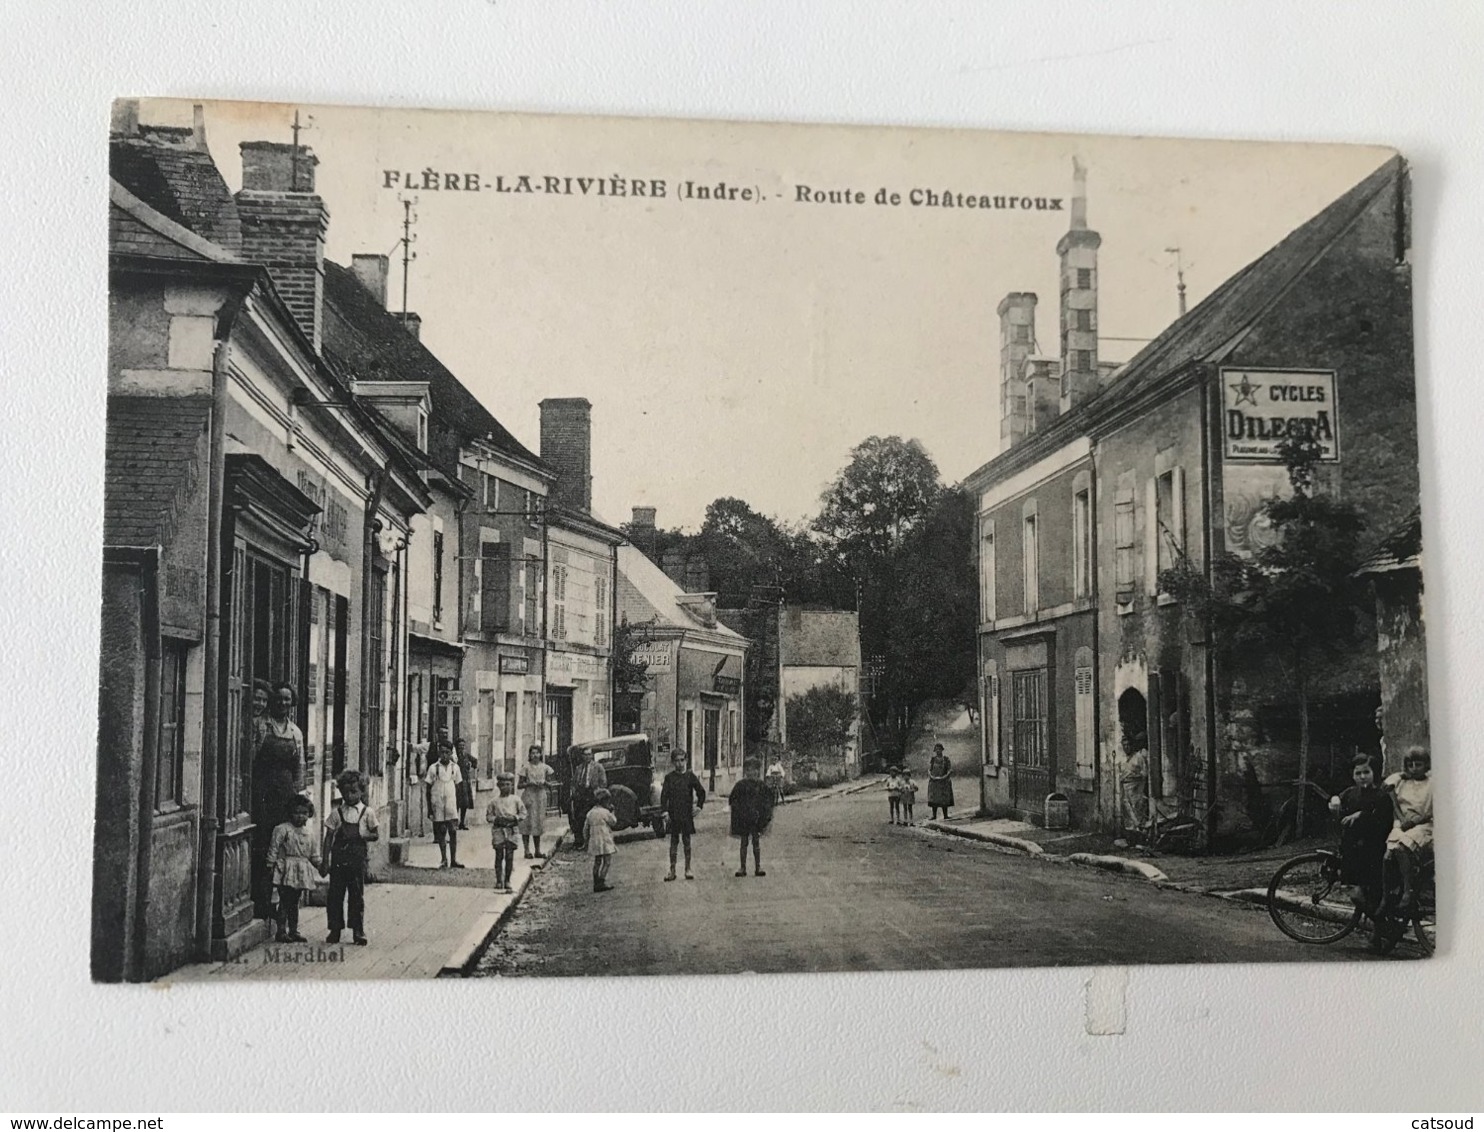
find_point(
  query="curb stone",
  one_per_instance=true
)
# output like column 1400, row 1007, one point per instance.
column 462, row 960
column 1119, row 865
column 1018, row 844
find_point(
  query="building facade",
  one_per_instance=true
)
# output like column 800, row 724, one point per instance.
column 254, row 521
column 695, row 685
column 1167, row 461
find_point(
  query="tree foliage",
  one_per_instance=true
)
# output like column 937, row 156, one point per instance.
column 1297, row 600
column 888, row 489
column 821, row 721
column 629, row 673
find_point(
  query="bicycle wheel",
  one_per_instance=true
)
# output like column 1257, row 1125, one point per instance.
column 1307, row 902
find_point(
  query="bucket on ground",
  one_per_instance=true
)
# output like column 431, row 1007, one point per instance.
column 1058, row 812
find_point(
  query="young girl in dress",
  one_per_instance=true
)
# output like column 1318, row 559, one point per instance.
column 293, row 863
column 909, row 793
column 503, row 815
column 894, row 796
column 598, row 833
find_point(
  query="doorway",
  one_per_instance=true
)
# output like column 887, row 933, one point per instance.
column 1032, row 770
column 559, row 719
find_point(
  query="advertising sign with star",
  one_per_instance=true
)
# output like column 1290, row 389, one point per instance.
column 1263, row 407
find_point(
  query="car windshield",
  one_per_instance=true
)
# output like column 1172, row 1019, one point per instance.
column 620, row 754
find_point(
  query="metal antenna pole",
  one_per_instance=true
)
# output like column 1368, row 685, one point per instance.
column 294, row 157
column 1179, row 277
column 407, row 219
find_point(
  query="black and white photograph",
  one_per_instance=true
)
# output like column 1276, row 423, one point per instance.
column 563, row 546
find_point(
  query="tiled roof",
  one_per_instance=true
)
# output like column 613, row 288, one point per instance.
column 369, row 342
column 1214, row 327
column 1399, row 550
column 165, row 169
column 153, row 454
column 645, row 592
column 135, row 228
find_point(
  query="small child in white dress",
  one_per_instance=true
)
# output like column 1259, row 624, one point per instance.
column 598, row 833
column 294, row 864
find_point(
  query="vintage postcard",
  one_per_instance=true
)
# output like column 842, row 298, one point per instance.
column 541, row 546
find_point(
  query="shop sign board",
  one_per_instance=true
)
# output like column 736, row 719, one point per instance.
column 1261, row 408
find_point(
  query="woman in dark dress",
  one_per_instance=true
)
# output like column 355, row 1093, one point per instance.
column 1364, row 810
column 277, row 778
column 940, row 781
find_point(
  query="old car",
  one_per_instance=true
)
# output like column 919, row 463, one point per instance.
column 633, row 779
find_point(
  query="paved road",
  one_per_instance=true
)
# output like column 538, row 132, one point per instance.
column 846, row 891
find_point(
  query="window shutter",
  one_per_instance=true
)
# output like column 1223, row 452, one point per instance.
column 494, row 597
column 1177, row 507
column 1151, row 536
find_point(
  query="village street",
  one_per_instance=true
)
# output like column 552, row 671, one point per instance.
column 846, row 891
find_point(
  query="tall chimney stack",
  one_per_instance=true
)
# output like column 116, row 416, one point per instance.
column 566, row 444
column 1017, row 312
column 1078, row 250
column 371, row 270
column 284, row 224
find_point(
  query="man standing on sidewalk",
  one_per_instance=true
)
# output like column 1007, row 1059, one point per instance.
column 442, row 781
column 588, row 778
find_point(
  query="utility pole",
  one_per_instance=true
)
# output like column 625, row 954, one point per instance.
column 1179, row 277
column 409, row 218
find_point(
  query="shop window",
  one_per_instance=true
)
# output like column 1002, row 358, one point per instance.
column 170, row 749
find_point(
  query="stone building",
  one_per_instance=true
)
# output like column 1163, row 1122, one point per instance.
column 1168, row 459
column 695, row 687
column 253, row 524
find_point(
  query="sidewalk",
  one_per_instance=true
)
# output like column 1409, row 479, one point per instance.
column 423, row 923
column 1216, row 875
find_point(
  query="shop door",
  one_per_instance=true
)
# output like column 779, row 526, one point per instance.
column 1031, row 774
column 712, row 737
column 559, row 720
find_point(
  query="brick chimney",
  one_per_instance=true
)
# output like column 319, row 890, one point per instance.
column 371, row 270
column 644, row 519
column 283, row 225
column 1017, row 312
column 567, row 445
column 1078, row 250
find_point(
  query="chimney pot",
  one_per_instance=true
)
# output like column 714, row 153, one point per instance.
column 413, row 324
column 125, row 117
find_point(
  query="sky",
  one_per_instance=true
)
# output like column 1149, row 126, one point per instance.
column 742, row 348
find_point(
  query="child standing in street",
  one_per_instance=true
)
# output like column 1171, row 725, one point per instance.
column 597, row 830
column 293, row 862
column 894, row 795
column 503, row 815
column 350, row 827
column 751, row 804
column 909, row 792
column 681, row 797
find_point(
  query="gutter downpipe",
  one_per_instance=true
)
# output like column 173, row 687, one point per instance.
column 134, row 965
column 372, row 526
column 1208, row 547
column 211, row 685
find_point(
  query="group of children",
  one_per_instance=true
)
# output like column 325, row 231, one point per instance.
column 682, row 797
column 1385, row 831
column 901, row 792
column 296, row 858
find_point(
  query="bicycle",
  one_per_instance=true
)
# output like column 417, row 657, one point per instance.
column 1300, row 905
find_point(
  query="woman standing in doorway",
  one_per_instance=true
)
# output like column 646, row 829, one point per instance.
column 277, row 779
column 533, row 796
column 940, row 782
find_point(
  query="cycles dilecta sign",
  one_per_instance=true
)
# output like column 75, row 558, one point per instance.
column 1261, row 408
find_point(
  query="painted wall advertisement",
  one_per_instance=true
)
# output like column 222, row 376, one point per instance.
column 1264, row 407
